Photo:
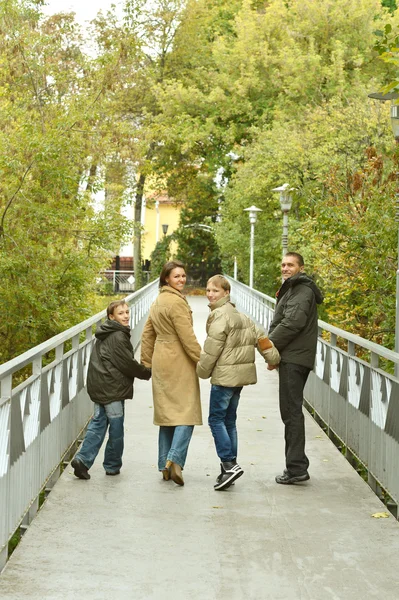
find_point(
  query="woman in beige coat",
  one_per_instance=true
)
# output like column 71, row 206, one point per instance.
column 170, row 348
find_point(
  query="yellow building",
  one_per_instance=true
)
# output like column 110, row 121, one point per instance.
column 160, row 216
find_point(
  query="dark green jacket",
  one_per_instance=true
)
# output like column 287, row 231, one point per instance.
column 294, row 327
column 112, row 366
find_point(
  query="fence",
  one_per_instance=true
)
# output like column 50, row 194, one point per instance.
column 349, row 392
column 119, row 281
column 41, row 418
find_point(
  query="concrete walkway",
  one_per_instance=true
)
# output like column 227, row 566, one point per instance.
column 136, row 537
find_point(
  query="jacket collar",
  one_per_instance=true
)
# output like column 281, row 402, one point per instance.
column 300, row 278
column 220, row 302
column 110, row 326
column 167, row 288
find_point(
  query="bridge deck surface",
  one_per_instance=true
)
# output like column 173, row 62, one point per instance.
column 136, row 537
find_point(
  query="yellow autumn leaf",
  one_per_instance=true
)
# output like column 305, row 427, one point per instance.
column 380, row 515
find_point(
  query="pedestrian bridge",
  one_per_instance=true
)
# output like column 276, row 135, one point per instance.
column 137, row 537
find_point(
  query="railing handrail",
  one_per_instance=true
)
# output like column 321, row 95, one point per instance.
column 390, row 355
column 19, row 362
column 118, row 271
column 359, row 341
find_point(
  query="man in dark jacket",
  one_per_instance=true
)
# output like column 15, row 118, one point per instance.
column 294, row 332
column 110, row 376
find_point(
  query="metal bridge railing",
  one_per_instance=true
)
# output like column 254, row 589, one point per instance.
column 42, row 417
column 348, row 391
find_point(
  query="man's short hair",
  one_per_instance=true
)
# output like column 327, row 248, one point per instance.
column 298, row 256
column 111, row 307
column 220, row 281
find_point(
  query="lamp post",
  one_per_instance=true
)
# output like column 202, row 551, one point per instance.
column 165, row 228
column 393, row 97
column 157, row 221
column 285, row 203
column 253, row 215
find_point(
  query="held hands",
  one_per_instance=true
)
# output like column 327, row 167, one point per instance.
column 272, row 367
column 148, row 370
column 269, row 352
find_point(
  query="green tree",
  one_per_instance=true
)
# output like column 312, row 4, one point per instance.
column 353, row 235
column 390, row 5
column 52, row 239
column 138, row 50
column 160, row 255
column 280, row 94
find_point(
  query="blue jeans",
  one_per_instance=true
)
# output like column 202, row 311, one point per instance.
column 173, row 444
column 106, row 416
column 222, row 420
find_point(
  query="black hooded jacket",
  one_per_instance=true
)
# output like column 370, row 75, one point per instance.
column 112, row 366
column 294, row 328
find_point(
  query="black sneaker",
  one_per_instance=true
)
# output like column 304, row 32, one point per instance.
column 112, row 472
column 230, row 472
column 287, row 479
column 219, row 477
column 80, row 470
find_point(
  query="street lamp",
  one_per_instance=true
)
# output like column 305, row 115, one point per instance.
column 165, row 228
column 253, row 215
column 285, row 203
column 393, row 97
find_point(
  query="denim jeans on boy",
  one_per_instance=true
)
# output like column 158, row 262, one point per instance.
column 173, row 444
column 108, row 416
column 222, row 420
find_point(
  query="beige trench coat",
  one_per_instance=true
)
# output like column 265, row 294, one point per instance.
column 170, row 348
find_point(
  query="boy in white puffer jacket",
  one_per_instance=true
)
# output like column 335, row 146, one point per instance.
column 228, row 359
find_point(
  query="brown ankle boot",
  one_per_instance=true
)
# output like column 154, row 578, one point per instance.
column 175, row 472
column 166, row 474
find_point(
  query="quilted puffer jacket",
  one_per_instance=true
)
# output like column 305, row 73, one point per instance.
column 228, row 357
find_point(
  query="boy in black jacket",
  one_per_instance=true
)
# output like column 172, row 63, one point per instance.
column 110, row 376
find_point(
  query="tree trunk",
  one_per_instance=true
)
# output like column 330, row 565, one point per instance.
column 138, row 271
column 90, row 179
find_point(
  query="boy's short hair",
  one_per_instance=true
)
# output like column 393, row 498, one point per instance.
column 111, row 307
column 221, row 281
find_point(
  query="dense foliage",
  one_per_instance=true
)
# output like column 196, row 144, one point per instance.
column 280, row 93
column 217, row 102
column 52, row 240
